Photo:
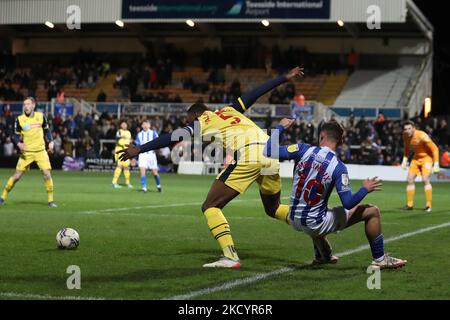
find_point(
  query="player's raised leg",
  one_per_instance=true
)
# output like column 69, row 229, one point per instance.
column 219, row 195
column 10, row 184
column 274, row 208
column 370, row 214
column 270, row 192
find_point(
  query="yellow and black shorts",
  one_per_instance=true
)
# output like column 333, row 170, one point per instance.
column 28, row 157
column 250, row 165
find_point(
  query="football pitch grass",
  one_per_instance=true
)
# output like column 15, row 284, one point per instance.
column 138, row 245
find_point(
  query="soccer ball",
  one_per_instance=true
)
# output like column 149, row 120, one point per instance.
column 67, row 238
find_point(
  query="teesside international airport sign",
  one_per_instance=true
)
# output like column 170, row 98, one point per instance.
column 225, row 9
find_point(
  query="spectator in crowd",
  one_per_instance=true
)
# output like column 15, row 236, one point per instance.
column 67, row 147
column 57, row 143
column 118, row 80
column 8, row 148
column 299, row 109
column 60, row 96
column 445, row 158
column 51, row 93
column 442, row 133
column 155, row 71
column 105, row 69
column 352, row 60
column 106, row 153
column 101, row 96
column 380, row 161
column 90, row 152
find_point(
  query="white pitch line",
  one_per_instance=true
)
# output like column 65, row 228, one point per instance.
column 45, row 297
column 142, row 207
column 107, row 211
column 262, row 276
column 161, row 215
column 225, row 286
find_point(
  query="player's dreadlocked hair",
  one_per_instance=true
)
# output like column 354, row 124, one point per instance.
column 333, row 130
column 197, row 108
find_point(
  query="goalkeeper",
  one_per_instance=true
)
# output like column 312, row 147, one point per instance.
column 424, row 162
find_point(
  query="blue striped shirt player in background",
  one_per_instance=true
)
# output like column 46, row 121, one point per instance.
column 147, row 160
column 317, row 171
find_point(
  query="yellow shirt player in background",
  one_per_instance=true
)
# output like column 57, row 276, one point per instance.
column 425, row 161
column 29, row 138
column 123, row 137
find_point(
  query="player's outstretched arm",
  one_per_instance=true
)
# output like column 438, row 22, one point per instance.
column 344, row 190
column 132, row 150
column 248, row 98
column 159, row 142
column 284, row 152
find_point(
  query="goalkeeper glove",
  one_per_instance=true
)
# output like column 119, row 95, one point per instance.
column 405, row 160
column 436, row 168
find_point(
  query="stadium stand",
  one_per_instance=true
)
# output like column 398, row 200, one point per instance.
column 363, row 88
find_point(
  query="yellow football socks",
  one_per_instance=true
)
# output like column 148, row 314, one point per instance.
column 49, row 187
column 282, row 213
column 220, row 229
column 410, row 190
column 428, row 194
column 8, row 187
column 126, row 173
column 116, row 176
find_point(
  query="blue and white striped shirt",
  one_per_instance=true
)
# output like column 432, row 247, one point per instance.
column 146, row 136
column 317, row 171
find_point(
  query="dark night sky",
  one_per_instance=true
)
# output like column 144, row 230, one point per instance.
column 435, row 12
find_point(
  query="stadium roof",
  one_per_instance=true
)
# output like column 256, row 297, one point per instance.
column 410, row 25
column 152, row 30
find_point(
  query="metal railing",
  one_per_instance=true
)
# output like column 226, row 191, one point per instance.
column 317, row 111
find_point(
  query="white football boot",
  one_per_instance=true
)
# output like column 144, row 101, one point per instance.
column 223, row 262
column 389, row 262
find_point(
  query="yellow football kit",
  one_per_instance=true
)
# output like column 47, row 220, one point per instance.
column 241, row 137
column 123, row 138
column 31, row 129
column 246, row 141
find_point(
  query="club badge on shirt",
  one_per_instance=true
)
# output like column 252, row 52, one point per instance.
column 293, row 148
column 344, row 179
